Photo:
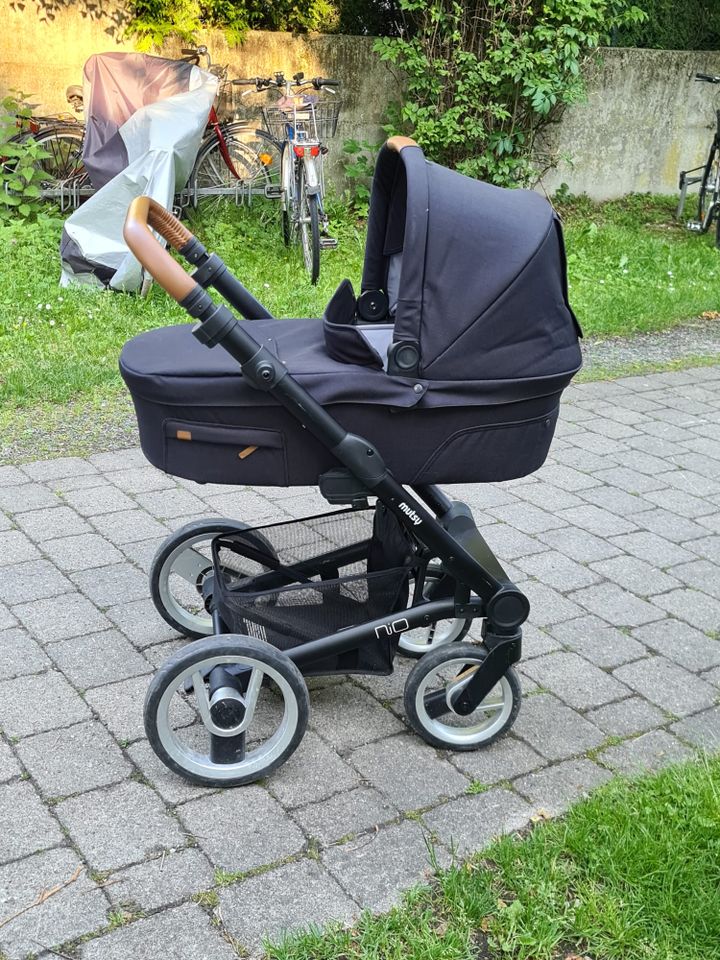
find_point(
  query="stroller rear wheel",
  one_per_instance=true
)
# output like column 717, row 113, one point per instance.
column 420, row 641
column 447, row 670
column 179, row 569
column 226, row 710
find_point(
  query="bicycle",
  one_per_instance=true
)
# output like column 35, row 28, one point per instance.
column 708, row 209
column 297, row 126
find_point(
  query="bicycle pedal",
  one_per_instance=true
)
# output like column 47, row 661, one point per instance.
column 273, row 191
column 694, row 226
column 328, row 243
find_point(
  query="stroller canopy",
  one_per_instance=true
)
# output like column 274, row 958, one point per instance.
column 478, row 272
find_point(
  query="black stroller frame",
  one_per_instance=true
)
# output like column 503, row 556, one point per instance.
column 472, row 584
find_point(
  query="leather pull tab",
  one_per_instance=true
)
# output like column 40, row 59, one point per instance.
column 184, row 435
column 246, row 452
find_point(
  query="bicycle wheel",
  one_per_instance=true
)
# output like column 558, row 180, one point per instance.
column 233, row 170
column 63, row 144
column 709, row 195
column 309, row 230
column 289, row 219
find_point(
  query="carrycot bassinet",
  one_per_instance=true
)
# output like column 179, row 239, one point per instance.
column 459, row 382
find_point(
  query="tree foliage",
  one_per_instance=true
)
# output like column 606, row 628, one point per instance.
column 675, row 25
column 483, row 77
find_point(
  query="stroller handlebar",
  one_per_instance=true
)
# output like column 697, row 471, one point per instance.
column 143, row 214
column 399, row 143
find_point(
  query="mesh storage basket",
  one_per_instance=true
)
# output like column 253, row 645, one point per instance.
column 290, row 583
column 309, row 121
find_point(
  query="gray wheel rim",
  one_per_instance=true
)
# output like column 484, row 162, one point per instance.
column 495, row 708
column 187, row 564
column 255, row 760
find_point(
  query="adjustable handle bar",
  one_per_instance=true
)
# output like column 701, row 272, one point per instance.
column 707, row 77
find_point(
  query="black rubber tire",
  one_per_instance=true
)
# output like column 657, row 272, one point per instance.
column 310, row 233
column 64, row 144
column 212, row 527
column 416, row 654
column 218, row 646
column 435, row 658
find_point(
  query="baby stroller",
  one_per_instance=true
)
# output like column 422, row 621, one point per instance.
column 448, row 367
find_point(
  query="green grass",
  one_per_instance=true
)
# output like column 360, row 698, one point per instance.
column 633, row 873
column 631, row 269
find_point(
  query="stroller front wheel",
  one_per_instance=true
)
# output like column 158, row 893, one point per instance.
column 420, row 641
column 226, row 710
column 442, row 672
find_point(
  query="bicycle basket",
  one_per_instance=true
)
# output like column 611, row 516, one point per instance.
column 310, row 121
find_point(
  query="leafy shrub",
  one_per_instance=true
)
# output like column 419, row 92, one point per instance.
column 674, row 25
column 358, row 163
column 483, row 77
column 20, row 156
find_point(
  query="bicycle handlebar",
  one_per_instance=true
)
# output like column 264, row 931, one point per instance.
column 262, row 83
column 707, row 77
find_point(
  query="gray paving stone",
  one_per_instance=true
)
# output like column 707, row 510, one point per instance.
column 128, row 526
column 713, row 676
column 650, row 752
column 46, row 470
column 119, row 825
column 11, row 477
column 408, row 771
column 375, row 869
column 141, row 623
column 555, row 788
column 163, row 881
column 669, row 686
column 702, row 730
column 15, row 547
column 620, row 607
column 105, row 498
column 616, row 502
column 707, row 548
column 82, row 553
column 242, row 829
column 120, row 706
column 34, row 580
column 185, row 933
column 20, row 655
column 51, row 523
column 141, row 480
column 547, row 606
column 143, row 551
column 671, row 526
column 535, row 642
column 250, row 909
column 609, row 428
column 579, row 544
column 633, row 715
column 389, row 688
column 483, row 495
column 527, row 518
column 27, row 825
column 348, row 717
column 681, row 503
column 43, row 701
column 73, row 759
column 67, row 484
column 27, row 496
column 629, row 480
column 165, row 504
column 159, row 652
column 541, row 494
column 9, row 767
column 502, row 760
column 593, row 639
column 553, row 729
column 344, row 814
column 508, row 543
column 557, row 570
column 598, row 521
column 700, row 574
column 98, row 658
column 652, row 548
column 313, row 772
column 171, row 787
column 76, row 909
column 470, row 823
column 59, row 618
column 118, row 460
column 691, row 482
column 682, row 643
column 7, row 620
column 635, row 575
column 575, row 681
column 696, row 607
column 108, row 586
column 566, row 478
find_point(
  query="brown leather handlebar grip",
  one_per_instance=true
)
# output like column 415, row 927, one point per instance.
column 144, row 213
column 399, row 143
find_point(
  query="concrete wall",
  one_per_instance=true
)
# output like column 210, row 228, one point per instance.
column 42, row 58
column 643, row 120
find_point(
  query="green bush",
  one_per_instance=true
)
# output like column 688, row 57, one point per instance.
column 20, row 156
column 483, row 77
column 675, row 25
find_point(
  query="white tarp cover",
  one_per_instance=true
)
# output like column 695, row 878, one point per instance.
column 158, row 143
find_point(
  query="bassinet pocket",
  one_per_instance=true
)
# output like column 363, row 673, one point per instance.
column 246, row 454
column 499, row 451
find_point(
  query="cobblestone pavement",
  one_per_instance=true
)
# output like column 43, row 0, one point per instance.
column 617, row 542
